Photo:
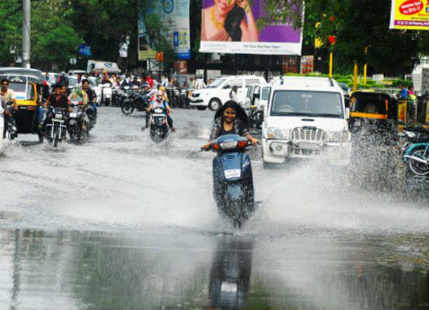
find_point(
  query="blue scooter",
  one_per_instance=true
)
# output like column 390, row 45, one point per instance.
column 232, row 178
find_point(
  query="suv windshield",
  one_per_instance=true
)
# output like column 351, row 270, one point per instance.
column 216, row 83
column 307, row 103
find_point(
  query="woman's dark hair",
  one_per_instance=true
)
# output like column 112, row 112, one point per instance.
column 233, row 22
column 241, row 114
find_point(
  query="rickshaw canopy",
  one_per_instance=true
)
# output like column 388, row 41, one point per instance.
column 373, row 105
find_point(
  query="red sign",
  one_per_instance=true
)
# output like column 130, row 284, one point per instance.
column 411, row 7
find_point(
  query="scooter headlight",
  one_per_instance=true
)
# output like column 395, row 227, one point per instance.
column 228, row 145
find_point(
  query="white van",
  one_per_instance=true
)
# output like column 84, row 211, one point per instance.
column 102, row 66
column 217, row 93
column 306, row 118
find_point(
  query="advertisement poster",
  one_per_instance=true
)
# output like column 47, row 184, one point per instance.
column 409, row 14
column 234, row 27
column 307, row 64
column 174, row 15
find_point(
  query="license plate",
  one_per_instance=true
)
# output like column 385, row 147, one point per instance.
column 357, row 122
column 309, row 146
column 58, row 116
column 73, row 114
column 229, row 287
column 232, row 173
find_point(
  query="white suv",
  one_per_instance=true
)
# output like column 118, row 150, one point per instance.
column 217, row 93
column 306, row 118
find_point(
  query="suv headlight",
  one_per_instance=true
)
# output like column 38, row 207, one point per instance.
column 277, row 133
column 338, row 136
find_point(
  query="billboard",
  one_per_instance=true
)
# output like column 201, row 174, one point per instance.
column 174, row 15
column 409, row 14
column 236, row 27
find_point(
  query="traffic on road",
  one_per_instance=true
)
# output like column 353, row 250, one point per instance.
column 139, row 200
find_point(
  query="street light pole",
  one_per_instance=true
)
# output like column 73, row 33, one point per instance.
column 26, row 29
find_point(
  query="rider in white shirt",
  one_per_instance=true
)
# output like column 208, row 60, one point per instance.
column 159, row 102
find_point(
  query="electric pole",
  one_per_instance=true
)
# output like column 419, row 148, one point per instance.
column 26, row 30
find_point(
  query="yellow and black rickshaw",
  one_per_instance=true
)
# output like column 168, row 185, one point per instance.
column 373, row 114
column 27, row 85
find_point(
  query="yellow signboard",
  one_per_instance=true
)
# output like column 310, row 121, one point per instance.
column 147, row 54
column 409, row 14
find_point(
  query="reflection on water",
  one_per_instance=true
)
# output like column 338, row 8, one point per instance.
column 230, row 273
column 89, row 270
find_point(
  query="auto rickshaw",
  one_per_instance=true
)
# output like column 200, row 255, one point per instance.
column 374, row 115
column 27, row 85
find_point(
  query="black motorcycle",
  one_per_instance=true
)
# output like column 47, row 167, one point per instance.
column 56, row 129
column 78, row 126
column 159, row 129
column 135, row 101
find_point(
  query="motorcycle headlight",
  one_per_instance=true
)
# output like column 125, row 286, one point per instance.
column 277, row 133
column 338, row 136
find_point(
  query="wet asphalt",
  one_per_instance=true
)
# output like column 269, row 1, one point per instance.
column 122, row 223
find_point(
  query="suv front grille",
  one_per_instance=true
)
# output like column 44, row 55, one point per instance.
column 308, row 134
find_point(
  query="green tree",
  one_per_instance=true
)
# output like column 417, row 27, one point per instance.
column 104, row 24
column 53, row 38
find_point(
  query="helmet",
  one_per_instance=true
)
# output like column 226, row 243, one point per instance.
column 162, row 88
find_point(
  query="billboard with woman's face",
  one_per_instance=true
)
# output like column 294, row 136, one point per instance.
column 241, row 27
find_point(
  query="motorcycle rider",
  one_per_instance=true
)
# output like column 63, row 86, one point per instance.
column 7, row 96
column 159, row 102
column 56, row 100
column 126, row 81
column 230, row 119
column 92, row 100
column 64, row 89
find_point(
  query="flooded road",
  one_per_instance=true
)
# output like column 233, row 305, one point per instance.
column 121, row 223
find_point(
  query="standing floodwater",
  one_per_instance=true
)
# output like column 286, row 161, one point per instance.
column 123, row 223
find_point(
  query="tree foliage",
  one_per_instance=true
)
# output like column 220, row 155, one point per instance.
column 53, row 37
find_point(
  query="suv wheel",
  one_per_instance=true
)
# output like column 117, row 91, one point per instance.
column 215, row 104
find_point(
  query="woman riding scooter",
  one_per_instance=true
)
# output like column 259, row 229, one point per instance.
column 231, row 119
